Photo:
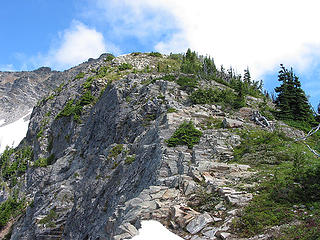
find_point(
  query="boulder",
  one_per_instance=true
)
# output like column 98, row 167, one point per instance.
column 231, row 123
column 198, row 223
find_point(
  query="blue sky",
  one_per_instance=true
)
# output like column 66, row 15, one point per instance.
column 259, row 34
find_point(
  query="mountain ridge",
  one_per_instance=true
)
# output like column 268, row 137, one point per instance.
column 103, row 151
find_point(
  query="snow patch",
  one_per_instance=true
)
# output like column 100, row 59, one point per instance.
column 12, row 134
column 154, row 230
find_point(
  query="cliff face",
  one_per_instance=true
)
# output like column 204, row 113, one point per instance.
column 101, row 162
column 20, row 91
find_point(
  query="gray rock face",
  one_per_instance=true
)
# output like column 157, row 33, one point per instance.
column 110, row 166
column 20, row 91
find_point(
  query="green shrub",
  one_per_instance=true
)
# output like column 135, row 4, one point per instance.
column 261, row 213
column 10, row 208
column 224, row 97
column 71, row 109
column 102, row 72
column 109, row 57
column 49, row 219
column 203, row 201
column 86, row 98
column 263, row 148
column 170, row 78
column 115, row 151
column 44, row 162
column 186, row 134
column 130, row 159
column 79, row 75
column 124, row 66
column 211, row 123
column 88, row 83
column 155, row 54
column 187, row 83
column 171, row 110
column 13, row 162
column 136, row 53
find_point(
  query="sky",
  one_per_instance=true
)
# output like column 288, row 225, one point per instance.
column 260, row 34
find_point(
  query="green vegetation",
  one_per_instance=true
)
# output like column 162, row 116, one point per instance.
column 9, row 209
column 187, row 83
column 88, row 83
column 204, row 201
column 48, row 220
column 266, row 110
column 291, row 99
column 115, row 151
column 44, row 162
column 291, row 176
column 186, row 134
column 211, row 123
column 79, row 75
column 148, row 118
column 13, row 162
column 109, row 57
column 171, row 110
column 71, row 109
column 130, row 159
column 170, row 78
column 271, row 147
column 225, row 97
column 40, row 133
column 168, row 65
column 190, row 63
column 124, row 66
column 155, row 54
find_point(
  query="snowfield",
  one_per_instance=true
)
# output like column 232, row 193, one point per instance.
column 12, row 134
column 153, row 230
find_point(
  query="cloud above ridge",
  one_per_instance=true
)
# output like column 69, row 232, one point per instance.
column 78, row 44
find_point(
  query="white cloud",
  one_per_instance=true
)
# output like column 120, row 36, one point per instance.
column 78, row 44
column 72, row 46
column 259, row 34
column 132, row 23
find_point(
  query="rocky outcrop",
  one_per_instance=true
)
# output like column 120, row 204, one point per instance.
column 20, row 91
column 101, row 163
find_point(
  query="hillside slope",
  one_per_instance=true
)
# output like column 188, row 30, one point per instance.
column 139, row 137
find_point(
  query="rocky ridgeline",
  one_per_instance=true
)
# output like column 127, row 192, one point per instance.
column 101, row 163
column 20, row 91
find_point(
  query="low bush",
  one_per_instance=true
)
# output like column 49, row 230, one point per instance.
column 10, row 208
column 79, row 75
column 130, row 159
column 155, row 54
column 225, row 97
column 115, row 151
column 186, row 134
column 125, row 66
column 187, row 83
column 13, row 162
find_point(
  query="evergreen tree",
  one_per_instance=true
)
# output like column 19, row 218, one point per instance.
column 247, row 77
column 291, row 99
column 190, row 63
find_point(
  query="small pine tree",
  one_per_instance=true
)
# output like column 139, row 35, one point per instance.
column 247, row 77
column 291, row 99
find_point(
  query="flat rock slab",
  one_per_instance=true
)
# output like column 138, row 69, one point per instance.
column 198, row 223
